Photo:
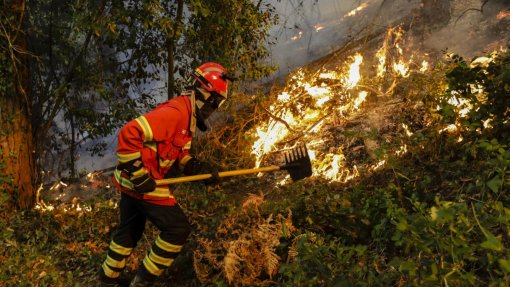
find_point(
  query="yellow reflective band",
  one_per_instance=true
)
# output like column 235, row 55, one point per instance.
column 160, row 260
column 152, row 145
column 151, row 267
column 169, row 247
column 127, row 157
column 165, row 163
column 122, row 181
column 115, row 263
column 160, row 192
column 139, row 172
column 184, row 161
column 200, row 72
column 109, row 272
column 187, row 146
column 120, row 249
column 212, row 69
column 147, row 131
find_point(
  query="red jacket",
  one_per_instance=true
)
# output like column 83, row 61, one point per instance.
column 162, row 138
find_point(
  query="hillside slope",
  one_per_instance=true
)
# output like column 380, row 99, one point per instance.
column 410, row 150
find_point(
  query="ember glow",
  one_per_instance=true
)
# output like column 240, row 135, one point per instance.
column 298, row 36
column 503, row 14
column 356, row 10
column 424, row 66
column 318, row 27
column 401, row 69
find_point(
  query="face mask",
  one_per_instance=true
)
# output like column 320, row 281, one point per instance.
column 205, row 107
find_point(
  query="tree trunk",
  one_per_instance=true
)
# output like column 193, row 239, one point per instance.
column 16, row 146
column 72, row 151
column 171, row 43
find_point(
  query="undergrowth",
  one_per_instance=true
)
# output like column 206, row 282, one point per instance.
column 436, row 215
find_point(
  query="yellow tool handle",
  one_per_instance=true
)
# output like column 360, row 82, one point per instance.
column 221, row 174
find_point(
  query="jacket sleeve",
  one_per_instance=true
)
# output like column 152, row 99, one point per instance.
column 156, row 126
column 130, row 144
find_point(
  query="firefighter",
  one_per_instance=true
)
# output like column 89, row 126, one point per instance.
column 150, row 147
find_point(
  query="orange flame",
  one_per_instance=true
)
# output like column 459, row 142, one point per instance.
column 503, row 14
column 305, row 107
column 354, row 75
column 356, row 10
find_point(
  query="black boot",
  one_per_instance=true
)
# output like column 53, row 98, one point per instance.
column 122, row 281
column 143, row 278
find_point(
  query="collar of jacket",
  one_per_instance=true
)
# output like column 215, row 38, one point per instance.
column 193, row 117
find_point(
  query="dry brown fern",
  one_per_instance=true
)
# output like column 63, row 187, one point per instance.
column 293, row 249
column 232, row 261
column 253, row 202
column 245, row 246
column 202, row 255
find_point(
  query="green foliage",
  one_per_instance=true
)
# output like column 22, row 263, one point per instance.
column 482, row 87
column 97, row 65
column 243, row 27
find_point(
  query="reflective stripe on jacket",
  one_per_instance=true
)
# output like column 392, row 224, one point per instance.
column 162, row 138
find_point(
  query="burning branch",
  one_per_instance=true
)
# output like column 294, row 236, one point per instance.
column 278, row 119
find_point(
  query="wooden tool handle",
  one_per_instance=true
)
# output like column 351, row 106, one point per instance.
column 221, row 174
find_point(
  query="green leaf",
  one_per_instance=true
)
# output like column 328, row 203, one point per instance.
column 433, row 213
column 409, row 266
column 492, row 242
column 505, row 264
column 495, row 183
column 402, row 225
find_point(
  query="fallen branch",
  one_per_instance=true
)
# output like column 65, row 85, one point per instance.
column 471, row 9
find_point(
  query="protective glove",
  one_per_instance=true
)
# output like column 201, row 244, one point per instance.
column 138, row 175
column 194, row 166
column 144, row 183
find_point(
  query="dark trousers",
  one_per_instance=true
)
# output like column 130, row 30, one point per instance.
column 174, row 230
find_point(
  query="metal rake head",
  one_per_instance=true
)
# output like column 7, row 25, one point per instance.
column 297, row 163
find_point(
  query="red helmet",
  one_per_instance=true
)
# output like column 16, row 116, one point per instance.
column 213, row 77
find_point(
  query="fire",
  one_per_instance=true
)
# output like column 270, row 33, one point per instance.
column 392, row 47
column 316, row 101
column 402, row 69
column 406, row 130
column 298, row 36
column 356, row 10
column 359, row 100
column 424, row 66
column 381, row 57
column 321, row 94
column 329, row 75
column 503, row 14
column 334, row 169
column 354, row 75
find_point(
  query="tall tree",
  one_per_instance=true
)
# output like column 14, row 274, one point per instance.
column 77, row 93
column 16, row 149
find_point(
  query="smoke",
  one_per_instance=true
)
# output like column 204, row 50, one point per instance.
column 473, row 28
column 311, row 29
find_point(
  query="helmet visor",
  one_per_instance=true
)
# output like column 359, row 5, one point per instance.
column 216, row 100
